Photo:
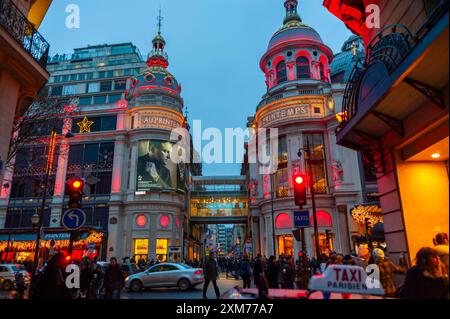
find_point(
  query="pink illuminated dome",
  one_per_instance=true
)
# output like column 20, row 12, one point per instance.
column 296, row 52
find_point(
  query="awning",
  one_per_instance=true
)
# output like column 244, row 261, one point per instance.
column 32, row 237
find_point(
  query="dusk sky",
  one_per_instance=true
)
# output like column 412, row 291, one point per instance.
column 214, row 47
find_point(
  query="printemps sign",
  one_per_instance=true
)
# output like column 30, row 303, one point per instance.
column 158, row 119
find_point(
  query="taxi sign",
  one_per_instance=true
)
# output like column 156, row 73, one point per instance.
column 347, row 279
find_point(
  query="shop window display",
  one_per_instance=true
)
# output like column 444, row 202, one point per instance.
column 162, row 245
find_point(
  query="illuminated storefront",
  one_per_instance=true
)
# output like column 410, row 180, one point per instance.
column 20, row 246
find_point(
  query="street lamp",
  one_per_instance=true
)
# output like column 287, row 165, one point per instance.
column 35, row 220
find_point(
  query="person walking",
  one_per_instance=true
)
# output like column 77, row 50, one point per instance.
column 95, row 283
column 387, row 271
column 50, row 283
column 246, row 271
column 272, row 272
column 211, row 271
column 258, row 270
column 114, row 280
column 285, row 275
column 426, row 280
column 441, row 246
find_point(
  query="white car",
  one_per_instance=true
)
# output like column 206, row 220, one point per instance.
column 7, row 275
column 166, row 275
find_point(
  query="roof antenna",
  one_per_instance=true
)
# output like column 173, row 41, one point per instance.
column 160, row 19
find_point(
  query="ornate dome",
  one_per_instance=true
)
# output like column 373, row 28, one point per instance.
column 293, row 28
column 156, row 78
column 294, row 32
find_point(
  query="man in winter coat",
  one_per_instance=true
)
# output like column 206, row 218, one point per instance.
column 50, row 284
column 114, row 280
column 285, row 277
column 211, row 271
column 246, row 272
column 258, row 271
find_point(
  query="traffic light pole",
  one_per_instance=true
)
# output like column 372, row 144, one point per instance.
column 272, row 192
column 313, row 200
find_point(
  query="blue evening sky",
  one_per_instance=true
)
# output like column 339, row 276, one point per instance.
column 214, row 47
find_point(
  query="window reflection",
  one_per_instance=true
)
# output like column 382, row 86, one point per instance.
column 317, row 160
column 219, row 207
column 281, row 176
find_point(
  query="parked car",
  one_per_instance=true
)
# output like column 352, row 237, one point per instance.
column 166, row 275
column 127, row 268
column 7, row 275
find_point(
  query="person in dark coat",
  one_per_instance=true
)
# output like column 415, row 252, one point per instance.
column 51, row 283
column 258, row 270
column 272, row 273
column 211, row 271
column 285, row 277
column 427, row 279
column 246, row 271
column 114, row 280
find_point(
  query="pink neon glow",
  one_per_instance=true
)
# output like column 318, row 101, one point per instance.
column 323, row 219
column 141, row 220
column 283, row 221
column 164, row 221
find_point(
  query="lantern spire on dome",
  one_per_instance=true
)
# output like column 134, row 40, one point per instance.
column 158, row 57
column 291, row 11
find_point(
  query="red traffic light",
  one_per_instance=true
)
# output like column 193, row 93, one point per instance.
column 299, row 180
column 76, row 184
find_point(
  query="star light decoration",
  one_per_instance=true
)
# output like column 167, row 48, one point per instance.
column 122, row 103
column 373, row 213
column 85, row 125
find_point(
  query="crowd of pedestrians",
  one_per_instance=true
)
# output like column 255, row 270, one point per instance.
column 427, row 278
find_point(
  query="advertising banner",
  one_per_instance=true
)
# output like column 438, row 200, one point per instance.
column 155, row 169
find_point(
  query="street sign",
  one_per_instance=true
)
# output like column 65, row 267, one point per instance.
column 91, row 247
column 301, row 218
column 73, row 219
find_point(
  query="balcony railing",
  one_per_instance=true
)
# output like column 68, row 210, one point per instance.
column 23, row 31
column 389, row 47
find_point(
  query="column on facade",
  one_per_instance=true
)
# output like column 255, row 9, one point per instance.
column 115, row 240
column 118, row 166
column 133, row 171
column 290, row 65
column 61, row 173
column 6, row 186
column 9, row 97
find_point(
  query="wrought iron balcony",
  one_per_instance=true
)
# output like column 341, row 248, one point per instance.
column 389, row 47
column 23, row 31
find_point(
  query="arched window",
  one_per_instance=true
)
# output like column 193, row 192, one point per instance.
column 281, row 72
column 322, row 73
column 303, row 70
column 323, row 219
column 283, row 221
